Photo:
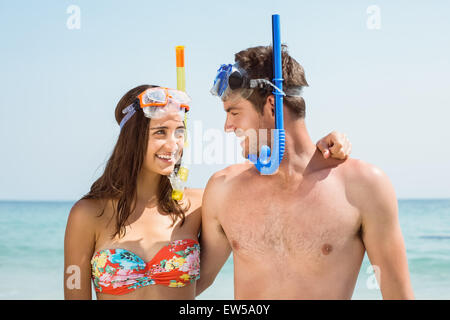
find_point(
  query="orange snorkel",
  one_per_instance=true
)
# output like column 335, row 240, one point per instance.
column 179, row 179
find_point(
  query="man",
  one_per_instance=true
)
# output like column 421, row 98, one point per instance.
column 302, row 232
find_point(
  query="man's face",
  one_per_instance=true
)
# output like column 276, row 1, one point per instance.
column 251, row 127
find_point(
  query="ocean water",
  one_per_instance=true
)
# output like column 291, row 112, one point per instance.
column 32, row 252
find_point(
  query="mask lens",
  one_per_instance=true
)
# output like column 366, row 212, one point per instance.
column 221, row 84
column 180, row 96
column 235, row 80
column 159, row 112
column 221, row 80
column 154, row 95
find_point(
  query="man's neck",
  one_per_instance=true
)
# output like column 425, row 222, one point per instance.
column 299, row 149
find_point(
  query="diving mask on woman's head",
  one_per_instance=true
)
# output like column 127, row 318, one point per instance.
column 158, row 102
column 232, row 82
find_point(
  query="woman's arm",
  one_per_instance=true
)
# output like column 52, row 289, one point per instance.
column 79, row 244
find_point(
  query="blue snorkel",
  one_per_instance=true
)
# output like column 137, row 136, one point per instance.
column 262, row 163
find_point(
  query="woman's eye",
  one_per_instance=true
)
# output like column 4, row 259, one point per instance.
column 159, row 132
column 234, row 113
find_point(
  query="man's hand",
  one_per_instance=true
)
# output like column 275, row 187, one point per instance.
column 335, row 144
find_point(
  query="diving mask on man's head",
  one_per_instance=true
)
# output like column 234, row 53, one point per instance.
column 232, row 82
column 158, row 102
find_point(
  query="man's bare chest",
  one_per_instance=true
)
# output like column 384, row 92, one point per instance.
column 313, row 221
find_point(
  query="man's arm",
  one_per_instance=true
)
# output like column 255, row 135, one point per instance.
column 381, row 233
column 215, row 248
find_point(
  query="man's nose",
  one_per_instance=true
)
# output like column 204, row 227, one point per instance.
column 228, row 127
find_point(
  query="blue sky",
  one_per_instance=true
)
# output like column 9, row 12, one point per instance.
column 387, row 88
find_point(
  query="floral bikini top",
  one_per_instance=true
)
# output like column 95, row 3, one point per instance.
column 120, row 271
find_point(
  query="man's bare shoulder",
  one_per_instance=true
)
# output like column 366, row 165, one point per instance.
column 366, row 184
column 231, row 174
column 359, row 171
column 235, row 170
column 221, row 183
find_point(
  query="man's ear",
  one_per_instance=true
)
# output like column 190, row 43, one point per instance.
column 271, row 102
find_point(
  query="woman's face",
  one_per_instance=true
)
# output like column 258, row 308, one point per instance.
column 165, row 143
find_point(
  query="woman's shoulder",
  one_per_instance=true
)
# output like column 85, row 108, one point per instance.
column 89, row 215
column 87, row 206
column 88, row 209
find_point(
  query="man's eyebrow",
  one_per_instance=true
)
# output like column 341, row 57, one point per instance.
column 231, row 108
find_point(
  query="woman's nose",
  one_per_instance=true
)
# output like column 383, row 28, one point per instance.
column 172, row 143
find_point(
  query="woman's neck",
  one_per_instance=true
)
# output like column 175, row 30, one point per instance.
column 147, row 187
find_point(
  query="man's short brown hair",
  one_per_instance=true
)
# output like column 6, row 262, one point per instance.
column 257, row 61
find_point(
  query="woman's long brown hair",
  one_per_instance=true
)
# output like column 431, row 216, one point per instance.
column 119, row 180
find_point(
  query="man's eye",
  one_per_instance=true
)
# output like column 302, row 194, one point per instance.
column 234, row 113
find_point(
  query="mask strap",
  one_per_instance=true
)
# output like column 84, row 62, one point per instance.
column 293, row 91
column 129, row 112
column 261, row 83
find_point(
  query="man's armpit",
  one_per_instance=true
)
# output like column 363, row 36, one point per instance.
column 220, row 229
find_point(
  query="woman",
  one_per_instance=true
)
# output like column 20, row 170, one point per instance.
column 127, row 234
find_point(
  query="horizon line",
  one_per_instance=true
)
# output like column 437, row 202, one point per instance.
column 73, row 201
